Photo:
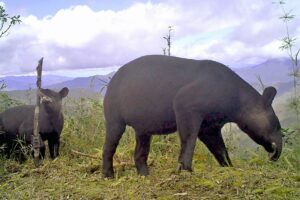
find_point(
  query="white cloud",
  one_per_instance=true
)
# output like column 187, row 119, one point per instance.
column 79, row 37
column 2, row 4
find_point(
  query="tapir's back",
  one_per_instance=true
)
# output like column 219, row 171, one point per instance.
column 12, row 118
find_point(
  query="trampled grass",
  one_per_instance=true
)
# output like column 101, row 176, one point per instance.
column 76, row 176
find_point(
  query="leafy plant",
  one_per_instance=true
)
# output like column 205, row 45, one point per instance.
column 291, row 136
column 5, row 100
column 288, row 44
column 7, row 22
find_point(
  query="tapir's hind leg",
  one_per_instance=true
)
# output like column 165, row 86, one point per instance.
column 141, row 153
column 114, row 133
column 210, row 135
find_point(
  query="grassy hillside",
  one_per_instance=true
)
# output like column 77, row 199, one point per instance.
column 74, row 176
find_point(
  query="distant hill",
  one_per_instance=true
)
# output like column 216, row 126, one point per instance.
column 271, row 72
column 26, row 82
column 96, row 83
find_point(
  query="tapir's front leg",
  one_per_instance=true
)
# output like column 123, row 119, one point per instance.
column 51, row 148
column 54, row 143
column 210, row 135
column 42, row 149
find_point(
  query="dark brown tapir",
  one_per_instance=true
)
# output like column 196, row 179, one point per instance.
column 161, row 94
column 17, row 123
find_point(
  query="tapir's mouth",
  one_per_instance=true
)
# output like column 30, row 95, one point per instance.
column 274, row 156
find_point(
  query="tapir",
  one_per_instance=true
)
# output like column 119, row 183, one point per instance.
column 158, row 94
column 16, row 123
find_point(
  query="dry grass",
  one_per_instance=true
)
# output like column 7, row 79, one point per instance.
column 73, row 176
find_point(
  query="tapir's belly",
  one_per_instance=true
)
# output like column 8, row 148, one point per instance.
column 151, row 119
column 157, row 129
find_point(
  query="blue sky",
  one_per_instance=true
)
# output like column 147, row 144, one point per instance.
column 82, row 38
column 50, row 7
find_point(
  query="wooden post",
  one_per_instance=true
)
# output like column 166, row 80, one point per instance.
column 36, row 135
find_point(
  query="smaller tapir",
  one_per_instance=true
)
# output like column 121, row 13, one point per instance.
column 17, row 123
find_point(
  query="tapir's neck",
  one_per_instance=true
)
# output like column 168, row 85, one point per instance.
column 249, row 98
column 52, row 115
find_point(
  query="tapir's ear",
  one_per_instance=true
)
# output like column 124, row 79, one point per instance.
column 64, row 92
column 268, row 96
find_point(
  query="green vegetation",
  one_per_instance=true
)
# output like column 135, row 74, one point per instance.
column 76, row 176
column 5, row 100
column 288, row 44
column 7, row 22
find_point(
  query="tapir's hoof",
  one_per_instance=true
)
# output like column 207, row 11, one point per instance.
column 143, row 171
column 37, row 162
column 179, row 168
column 108, row 174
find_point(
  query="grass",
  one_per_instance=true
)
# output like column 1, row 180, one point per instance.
column 73, row 176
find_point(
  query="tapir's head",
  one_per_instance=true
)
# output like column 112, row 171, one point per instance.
column 51, row 100
column 262, row 125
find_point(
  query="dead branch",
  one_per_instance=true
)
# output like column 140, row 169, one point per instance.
column 36, row 136
column 84, row 154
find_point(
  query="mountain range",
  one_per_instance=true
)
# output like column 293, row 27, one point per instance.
column 29, row 82
column 273, row 72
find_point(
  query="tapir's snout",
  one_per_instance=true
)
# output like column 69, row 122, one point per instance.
column 276, row 147
column 44, row 98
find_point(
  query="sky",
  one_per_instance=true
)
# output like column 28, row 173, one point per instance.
column 89, row 37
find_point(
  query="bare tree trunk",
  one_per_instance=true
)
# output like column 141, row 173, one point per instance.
column 168, row 39
column 164, row 51
column 36, row 136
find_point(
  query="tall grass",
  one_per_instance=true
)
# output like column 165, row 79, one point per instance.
column 78, row 176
